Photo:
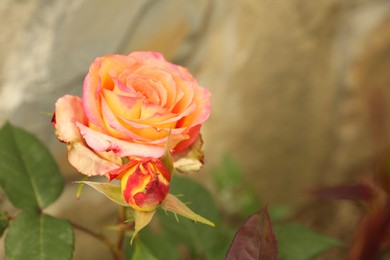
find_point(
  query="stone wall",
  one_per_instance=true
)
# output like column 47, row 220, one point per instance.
column 294, row 82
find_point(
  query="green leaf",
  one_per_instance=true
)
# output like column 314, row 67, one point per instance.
column 35, row 236
column 224, row 238
column 279, row 212
column 28, row 173
column 199, row 238
column 297, row 242
column 3, row 223
column 228, row 176
column 157, row 243
column 141, row 252
column 236, row 196
column 111, row 191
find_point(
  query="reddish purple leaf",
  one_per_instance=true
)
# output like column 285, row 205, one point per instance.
column 360, row 191
column 254, row 240
column 371, row 233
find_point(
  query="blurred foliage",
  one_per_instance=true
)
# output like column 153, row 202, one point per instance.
column 194, row 240
column 3, row 222
column 235, row 201
column 297, row 242
column 141, row 252
column 234, row 193
column 31, row 180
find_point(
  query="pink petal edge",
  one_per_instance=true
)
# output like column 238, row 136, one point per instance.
column 103, row 143
column 87, row 162
column 68, row 111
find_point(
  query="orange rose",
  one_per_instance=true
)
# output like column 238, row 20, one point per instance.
column 130, row 104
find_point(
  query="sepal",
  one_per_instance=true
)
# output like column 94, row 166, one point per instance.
column 167, row 158
column 173, row 204
column 190, row 160
column 141, row 219
column 111, row 191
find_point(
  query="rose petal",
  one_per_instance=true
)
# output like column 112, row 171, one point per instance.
column 123, row 129
column 126, row 107
column 145, row 55
column 115, row 127
column 111, row 66
column 68, row 110
column 101, row 142
column 161, row 119
column 156, row 135
column 119, row 172
column 193, row 135
column 91, row 96
column 87, row 162
column 122, row 89
column 186, row 90
column 157, row 75
column 202, row 112
column 146, row 86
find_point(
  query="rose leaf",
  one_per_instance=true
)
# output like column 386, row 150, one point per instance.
column 254, row 239
column 37, row 236
column 29, row 175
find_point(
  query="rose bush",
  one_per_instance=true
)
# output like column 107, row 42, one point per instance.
column 130, row 107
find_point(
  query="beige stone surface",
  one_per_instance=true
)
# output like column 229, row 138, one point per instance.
column 299, row 88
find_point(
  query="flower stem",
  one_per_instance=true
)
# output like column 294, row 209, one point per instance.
column 121, row 235
column 116, row 253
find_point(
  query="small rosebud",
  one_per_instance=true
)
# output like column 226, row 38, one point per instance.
column 144, row 183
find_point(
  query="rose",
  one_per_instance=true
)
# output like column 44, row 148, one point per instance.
column 144, row 182
column 136, row 112
column 131, row 106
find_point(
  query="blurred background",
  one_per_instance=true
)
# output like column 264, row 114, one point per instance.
column 300, row 88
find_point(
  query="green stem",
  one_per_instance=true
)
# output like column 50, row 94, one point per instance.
column 117, row 254
column 121, row 235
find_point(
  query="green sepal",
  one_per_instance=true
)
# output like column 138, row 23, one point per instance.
column 4, row 222
column 167, row 159
column 173, row 204
column 80, row 188
column 191, row 159
column 111, row 191
column 141, row 219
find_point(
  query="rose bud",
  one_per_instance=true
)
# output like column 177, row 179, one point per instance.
column 144, row 183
